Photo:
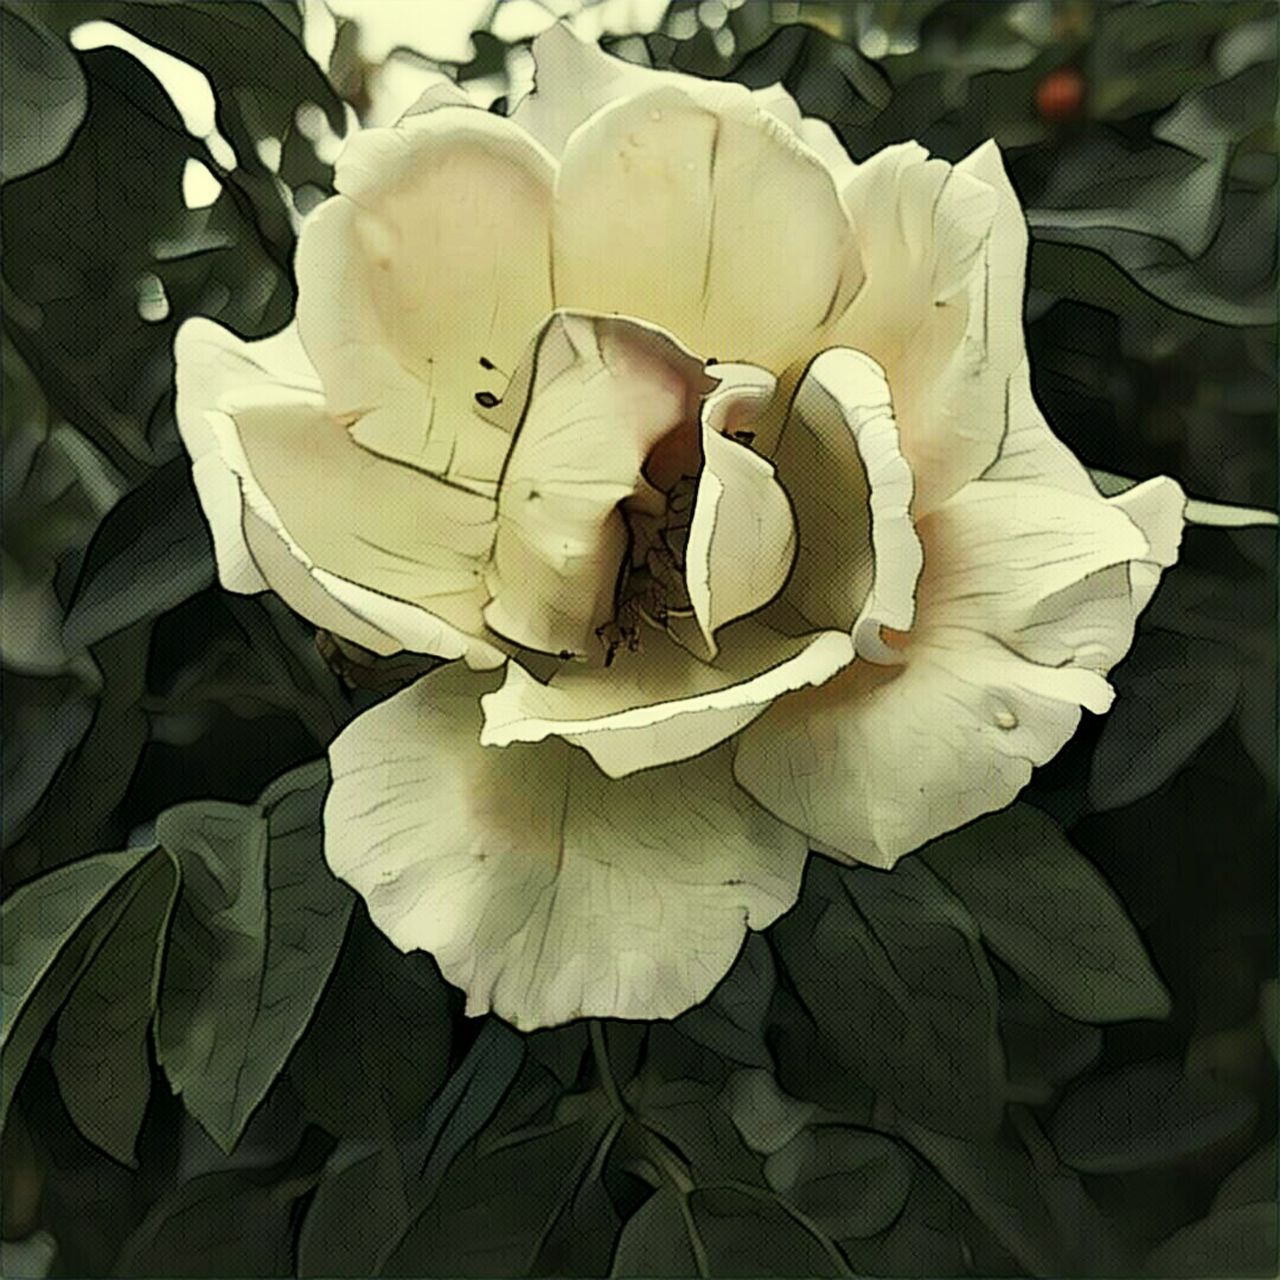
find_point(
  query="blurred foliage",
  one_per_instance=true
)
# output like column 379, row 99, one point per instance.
column 1046, row 1046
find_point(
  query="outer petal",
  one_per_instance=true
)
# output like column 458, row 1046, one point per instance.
column 336, row 526
column 433, row 258
column 575, row 78
column 838, row 458
column 688, row 210
column 543, row 889
column 878, row 762
column 936, row 309
column 662, row 704
column 211, row 363
column 605, row 393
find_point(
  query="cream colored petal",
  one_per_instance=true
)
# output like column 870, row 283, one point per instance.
column 211, row 363
column 298, row 584
column 575, row 78
column 662, row 704
column 422, row 282
column 882, row 760
column 838, row 457
column 367, row 532
column 1022, row 607
column 931, row 310
column 545, row 890
column 1158, row 507
column 742, row 539
column 688, row 211
column 1030, row 451
column 605, row 393
column 998, row 549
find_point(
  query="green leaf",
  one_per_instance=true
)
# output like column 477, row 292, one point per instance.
column 372, row 1194
column 220, row 1224
column 892, row 971
column 1252, row 1181
column 50, row 931
column 100, row 1057
column 1044, row 1049
column 718, row 1232
column 377, row 1050
column 1041, row 1215
column 1147, row 1116
column 1047, row 912
column 1228, row 1242
column 255, row 938
column 44, row 94
column 1173, row 693
column 359, row 1207
column 851, row 1182
column 493, row 1212
column 150, row 553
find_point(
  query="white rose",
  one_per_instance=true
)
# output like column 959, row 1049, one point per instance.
column 715, row 457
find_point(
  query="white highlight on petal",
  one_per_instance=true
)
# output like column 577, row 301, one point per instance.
column 663, row 704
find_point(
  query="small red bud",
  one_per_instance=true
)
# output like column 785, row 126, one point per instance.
column 1060, row 95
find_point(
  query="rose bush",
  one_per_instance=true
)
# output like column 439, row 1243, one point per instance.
column 714, row 457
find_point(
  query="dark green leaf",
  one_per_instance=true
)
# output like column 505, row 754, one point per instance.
column 466, row 1103
column 377, row 1050
column 1174, row 693
column 1228, row 1242
column 50, row 931
column 1044, row 1049
column 44, row 94
column 1049, row 914
column 719, row 1232
column 359, row 1208
column 220, row 1224
column 254, row 941
column 1041, row 1215
column 891, row 968
column 1252, row 1181
column 101, row 1055
column 828, row 78
column 851, row 1182
column 150, row 553
column 492, row 1214
column 1146, row 1116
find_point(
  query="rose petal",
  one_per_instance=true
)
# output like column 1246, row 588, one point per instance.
column 662, row 704
column 878, row 762
column 604, row 394
column 838, row 458
column 924, row 313
column 543, row 889
column 366, row 532
column 574, row 78
column 742, row 539
column 433, row 258
column 688, row 211
column 212, row 362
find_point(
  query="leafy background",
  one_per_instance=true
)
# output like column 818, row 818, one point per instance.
column 1045, row 1046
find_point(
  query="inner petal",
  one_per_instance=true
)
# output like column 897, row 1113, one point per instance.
column 609, row 427
column 839, row 459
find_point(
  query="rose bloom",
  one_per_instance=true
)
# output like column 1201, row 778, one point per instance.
column 714, row 458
